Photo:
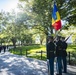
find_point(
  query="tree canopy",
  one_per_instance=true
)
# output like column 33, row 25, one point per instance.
column 34, row 18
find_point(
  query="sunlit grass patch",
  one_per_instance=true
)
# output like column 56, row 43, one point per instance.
column 34, row 51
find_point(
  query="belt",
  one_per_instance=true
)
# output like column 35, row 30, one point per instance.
column 51, row 51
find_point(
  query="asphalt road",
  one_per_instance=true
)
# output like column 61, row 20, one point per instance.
column 11, row 64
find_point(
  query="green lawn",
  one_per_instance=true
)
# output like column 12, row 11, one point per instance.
column 71, row 48
column 34, row 51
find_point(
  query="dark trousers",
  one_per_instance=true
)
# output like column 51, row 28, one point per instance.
column 59, row 65
column 4, row 50
column 51, row 66
column 0, row 50
column 64, row 60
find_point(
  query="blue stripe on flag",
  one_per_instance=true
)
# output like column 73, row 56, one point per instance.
column 54, row 12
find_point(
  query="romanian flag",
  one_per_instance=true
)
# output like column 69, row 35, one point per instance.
column 56, row 21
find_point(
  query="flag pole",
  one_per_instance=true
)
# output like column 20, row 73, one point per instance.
column 54, row 1
column 68, row 37
column 56, row 32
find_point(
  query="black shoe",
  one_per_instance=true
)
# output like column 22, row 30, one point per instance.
column 58, row 74
column 64, row 72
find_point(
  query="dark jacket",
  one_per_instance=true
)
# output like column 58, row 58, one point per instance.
column 59, row 48
column 0, row 47
column 64, row 47
column 50, row 50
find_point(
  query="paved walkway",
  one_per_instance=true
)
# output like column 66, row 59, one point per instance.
column 11, row 64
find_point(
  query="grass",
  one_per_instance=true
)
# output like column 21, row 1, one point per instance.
column 71, row 48
column 33, row 51
column 30, row 49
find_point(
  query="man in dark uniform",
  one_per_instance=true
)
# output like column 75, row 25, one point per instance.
column 59, row 55
column 0, row 48
column 4, row 47
column 50, row 54
column 64, row 60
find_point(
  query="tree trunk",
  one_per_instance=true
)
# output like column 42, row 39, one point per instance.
column 14, row 42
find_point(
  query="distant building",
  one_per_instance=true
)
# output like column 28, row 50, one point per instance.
column 37, row 39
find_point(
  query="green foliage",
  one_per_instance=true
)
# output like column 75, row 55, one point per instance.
column 44, row 11
column 35, row 14
column 13, row 27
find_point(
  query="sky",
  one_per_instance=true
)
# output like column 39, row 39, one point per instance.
column 8, row 5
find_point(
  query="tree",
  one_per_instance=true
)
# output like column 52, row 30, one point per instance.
column 43, row 9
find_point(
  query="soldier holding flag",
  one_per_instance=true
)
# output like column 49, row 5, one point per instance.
column 56, row 23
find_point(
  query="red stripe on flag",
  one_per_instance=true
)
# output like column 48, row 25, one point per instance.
column 57, row 25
